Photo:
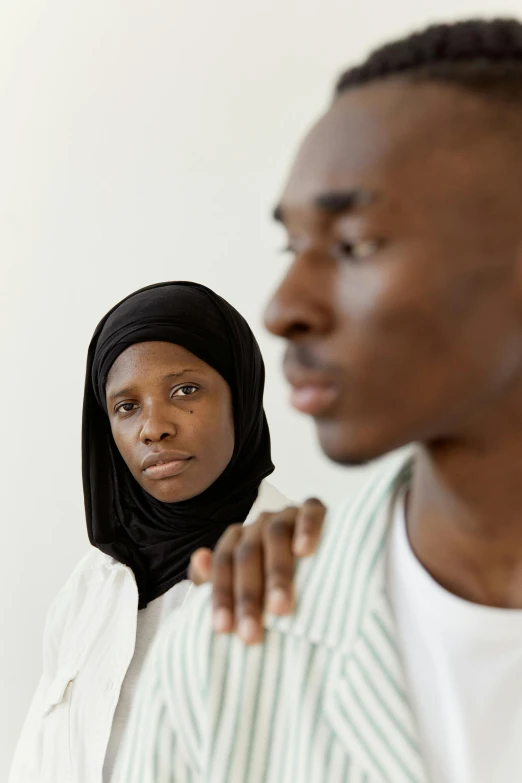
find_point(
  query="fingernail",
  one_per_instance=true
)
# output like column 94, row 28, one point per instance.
column 302, row 544
column 248, row 630
column 222, row 620
column 279, row 600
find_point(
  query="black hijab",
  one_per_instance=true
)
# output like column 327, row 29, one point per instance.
column 157, row 539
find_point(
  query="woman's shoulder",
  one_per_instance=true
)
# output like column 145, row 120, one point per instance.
column 96, row 581
column 90, row 564
column 269, row 498
column 94, row 567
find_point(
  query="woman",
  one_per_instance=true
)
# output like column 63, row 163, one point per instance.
column 175, row 449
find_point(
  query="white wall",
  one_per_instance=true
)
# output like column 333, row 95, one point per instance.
column 139, row 142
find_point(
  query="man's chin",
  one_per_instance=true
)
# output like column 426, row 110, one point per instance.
column 345, row 446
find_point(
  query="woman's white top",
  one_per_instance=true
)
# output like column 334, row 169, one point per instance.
column 149, row 620
column 95, row 642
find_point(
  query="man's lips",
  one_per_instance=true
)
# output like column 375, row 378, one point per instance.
column 312, row 393
column 313, row 399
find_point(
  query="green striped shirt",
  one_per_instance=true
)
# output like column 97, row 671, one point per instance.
column 323, row 699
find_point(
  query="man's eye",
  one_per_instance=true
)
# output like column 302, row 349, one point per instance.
column 358, row 251
column 354, row 251
column 294, row 245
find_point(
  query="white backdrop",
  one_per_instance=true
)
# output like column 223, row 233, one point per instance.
column 139, row 142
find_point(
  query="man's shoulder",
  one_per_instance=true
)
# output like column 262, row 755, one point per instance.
column 184, row 638
column 332, row 585
column 329, row 584
column 201, row 686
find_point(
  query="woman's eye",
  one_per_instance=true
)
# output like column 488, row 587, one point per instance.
column 358, row 251
column 185, row 391
column 126, row 407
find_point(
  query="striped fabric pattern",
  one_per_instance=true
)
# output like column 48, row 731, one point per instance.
column 323, row 699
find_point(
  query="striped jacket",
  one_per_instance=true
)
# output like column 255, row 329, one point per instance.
column 323, row 700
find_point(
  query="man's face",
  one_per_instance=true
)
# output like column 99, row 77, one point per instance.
column 401, row 306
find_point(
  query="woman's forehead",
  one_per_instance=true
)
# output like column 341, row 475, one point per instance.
column 154, row 356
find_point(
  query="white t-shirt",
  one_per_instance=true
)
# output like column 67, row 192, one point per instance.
column 463, row 665
column 149, row 620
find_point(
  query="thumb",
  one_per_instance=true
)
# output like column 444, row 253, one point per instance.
column 200, row 566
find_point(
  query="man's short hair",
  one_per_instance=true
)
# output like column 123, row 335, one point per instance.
column 480, row 55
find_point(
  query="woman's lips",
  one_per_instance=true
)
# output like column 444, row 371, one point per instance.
column 164, row 470
column 313, row 399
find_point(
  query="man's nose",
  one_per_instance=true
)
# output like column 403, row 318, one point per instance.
column 300, row 305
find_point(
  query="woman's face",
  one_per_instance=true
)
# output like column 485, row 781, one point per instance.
column 171, row 419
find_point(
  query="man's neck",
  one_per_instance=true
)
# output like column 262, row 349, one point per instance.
column 464, row 515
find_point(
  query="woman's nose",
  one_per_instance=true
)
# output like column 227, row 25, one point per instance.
column 157, row 427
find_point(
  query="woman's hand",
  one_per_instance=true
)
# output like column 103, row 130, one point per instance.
column 252, row 567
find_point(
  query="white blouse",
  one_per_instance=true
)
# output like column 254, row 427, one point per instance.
column 93, row 651
column 149, row 620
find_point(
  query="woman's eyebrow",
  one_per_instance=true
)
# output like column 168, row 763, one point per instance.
column 172, row 375
column 128, row 391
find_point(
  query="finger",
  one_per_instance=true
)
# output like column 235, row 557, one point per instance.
column 200, row 567
column 249, row 585
column 223, row 580
column 308, row 527
column 280, row 561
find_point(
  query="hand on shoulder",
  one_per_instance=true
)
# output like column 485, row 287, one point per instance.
column 252, row 567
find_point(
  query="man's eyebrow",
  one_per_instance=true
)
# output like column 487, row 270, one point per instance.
column 277, row 214
column 335, row 202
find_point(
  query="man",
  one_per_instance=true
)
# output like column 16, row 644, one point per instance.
column 402, row 309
